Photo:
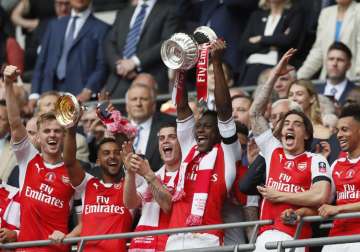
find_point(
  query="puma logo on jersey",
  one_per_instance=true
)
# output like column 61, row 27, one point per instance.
column 96, row 186
column 38, row 167
column 338, row 173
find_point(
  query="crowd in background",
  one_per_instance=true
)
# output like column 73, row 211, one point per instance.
column 68, row 49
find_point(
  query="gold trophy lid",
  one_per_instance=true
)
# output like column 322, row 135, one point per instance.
column 67, row 110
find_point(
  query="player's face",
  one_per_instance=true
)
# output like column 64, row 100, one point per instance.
column 293, row 134
column 301, row 96
column 206, row 133
column 51, row 137
column 169, row 146
column 109, row 159
column 348, row 133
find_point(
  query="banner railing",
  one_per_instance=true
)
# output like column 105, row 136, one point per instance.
column 83, row 239
column 282, row 245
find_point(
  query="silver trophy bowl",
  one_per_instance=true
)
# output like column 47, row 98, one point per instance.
column 180, row 52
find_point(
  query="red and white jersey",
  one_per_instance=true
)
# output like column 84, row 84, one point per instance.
column 346, row 177
column 46, row 197
column 103, row 212
column 222, row 177
column 291, row 174
column 152, row 216
column 9, row 207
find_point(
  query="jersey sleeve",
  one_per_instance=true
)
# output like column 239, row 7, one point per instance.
column 24, row 152
column 320, row 169
column 232, row 150
column 267, row 143
column 185, row 134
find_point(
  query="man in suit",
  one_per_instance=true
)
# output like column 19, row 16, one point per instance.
column 338, row 62
column 134, row 43
column 141, row 110
column 71, row 57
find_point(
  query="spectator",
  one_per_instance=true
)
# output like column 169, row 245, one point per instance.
column 103, row 209
column 303, row 93
column 133, row 44
column 282, row 85
column 154, row 198
column 285, row 186
column 7, row 157
column 33, row 17
column 240, row 106
column 87, row 121
column 353, row 97
column 208, row 169
column 269, row 33
column 336, row 23
column 44, row 197
column 338, row 62
column 227, row 18
column 141, row 110
column 71, row 57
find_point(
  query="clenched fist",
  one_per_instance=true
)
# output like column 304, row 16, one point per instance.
column 10, row 74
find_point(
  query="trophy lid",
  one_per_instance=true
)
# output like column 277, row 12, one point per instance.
column 67, row 110
column 179, row 52
column 204, row 34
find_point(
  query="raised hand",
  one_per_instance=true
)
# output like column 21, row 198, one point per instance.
column 217, row 48
column 10, row 74
column 282, row 67
column 125, row 153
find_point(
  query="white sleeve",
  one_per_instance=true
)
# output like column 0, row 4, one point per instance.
column 12, row 214
column 185, row 134
column 232, row 150
column 80, row 189
column 267, row 143
column 319, row 167
column 24, row 152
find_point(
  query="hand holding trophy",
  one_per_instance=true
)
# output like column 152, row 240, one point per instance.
column 182, row 52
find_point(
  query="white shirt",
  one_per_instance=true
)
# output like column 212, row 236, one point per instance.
column 340, row 88
column 82, row 17
column 144, row 134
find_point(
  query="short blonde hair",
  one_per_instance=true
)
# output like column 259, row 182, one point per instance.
column 264, row 4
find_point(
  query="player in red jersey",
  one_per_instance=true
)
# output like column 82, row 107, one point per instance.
column 9, row 213
column 345, row 174
column 103, row 209
column 154, row 197
column 294, row 177
column 210, row 150
column 45, row 192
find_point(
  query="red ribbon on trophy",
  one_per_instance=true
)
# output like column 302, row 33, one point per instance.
column 202, row 73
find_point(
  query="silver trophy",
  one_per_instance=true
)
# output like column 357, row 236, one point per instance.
column 181, row 51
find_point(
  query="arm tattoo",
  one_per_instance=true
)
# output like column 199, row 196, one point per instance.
column 160, row 193
column 258, row 107
column 251, row 213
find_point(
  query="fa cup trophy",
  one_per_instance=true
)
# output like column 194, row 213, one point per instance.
column 182, row 52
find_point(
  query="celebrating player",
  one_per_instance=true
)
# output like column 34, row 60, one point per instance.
column 294, row 176
column 208, row 168
column 45, row 191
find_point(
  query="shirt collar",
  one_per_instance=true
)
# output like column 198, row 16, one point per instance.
column 340, row 87
column 150, row 3
column 145, row 125
column 82, row 15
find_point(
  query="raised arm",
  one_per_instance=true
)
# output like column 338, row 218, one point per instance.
column 130, row 197
column 18, row 131
column 222, row 94
column 182, row 108
column 262, row 94
column 76, row 172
